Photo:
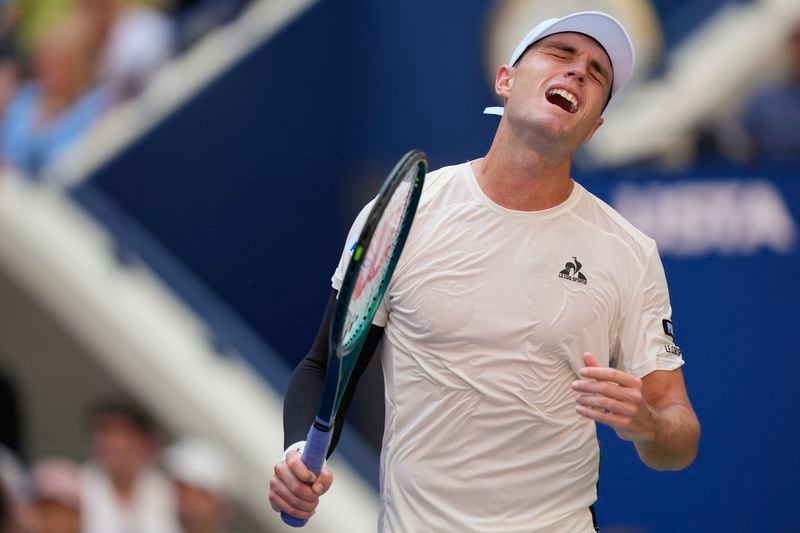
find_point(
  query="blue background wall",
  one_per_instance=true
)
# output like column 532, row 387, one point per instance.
column 253, row 184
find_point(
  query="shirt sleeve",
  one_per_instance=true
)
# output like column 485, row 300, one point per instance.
column 647, row 338
column 349, row 245
column 382, row 314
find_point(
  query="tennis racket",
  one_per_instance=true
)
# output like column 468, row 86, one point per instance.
column 372, row 263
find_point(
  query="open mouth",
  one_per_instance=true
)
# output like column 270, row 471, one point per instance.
column 563, row 99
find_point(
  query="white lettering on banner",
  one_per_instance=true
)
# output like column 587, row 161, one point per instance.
column 702, row 217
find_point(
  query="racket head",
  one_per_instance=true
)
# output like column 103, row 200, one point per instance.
column 374, row 258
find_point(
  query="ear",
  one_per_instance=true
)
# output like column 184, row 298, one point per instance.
column 596, row 127
column 503, row 81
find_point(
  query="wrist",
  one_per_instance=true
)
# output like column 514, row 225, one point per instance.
column 298, row 446
column 650, row 433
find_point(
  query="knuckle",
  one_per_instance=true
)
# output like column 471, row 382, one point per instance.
column 276, row 503
column 295, row 502
column 292, row 485
column 299, row 503
column 276, row 484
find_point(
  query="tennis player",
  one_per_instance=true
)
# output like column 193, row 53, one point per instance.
column 522, row 311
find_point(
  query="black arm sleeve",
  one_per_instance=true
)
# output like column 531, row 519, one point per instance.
column 308, row 379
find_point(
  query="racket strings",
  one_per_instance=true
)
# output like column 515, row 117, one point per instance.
column 372, row 280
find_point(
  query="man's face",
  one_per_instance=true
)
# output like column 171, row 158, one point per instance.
column 119, row 445
column 98, row 15
column 559, row 86
column 61, row 62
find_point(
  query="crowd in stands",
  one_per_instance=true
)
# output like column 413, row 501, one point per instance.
column 767, row 130
column 771, row 120
column 127, row 485
column 63, row 63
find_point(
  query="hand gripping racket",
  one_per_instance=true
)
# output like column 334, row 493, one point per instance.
column 372, row 263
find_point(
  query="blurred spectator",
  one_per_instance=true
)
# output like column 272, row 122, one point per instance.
column 35, row 17
column 772, row 118
column 57, row 496
column 51, row 112
column 122, row 490
column 9, row 75
column 16, row 484
column 131, row 41
column 10, row 70
column 204, row 483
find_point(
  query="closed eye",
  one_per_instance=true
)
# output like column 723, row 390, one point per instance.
column 599, row 73
column 566, row 52
column 558, row 55
column 561, row 52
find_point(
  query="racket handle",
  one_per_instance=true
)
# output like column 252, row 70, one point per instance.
column 317, row 443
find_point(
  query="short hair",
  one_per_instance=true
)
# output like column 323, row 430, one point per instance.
column 128, row 409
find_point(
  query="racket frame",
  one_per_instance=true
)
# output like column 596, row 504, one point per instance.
column 321, row 432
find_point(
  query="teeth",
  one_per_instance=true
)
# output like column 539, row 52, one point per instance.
column 566, row 94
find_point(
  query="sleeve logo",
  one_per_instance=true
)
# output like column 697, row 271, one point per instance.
column 668, row 328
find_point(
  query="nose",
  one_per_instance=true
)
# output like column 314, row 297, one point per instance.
column 574, row 73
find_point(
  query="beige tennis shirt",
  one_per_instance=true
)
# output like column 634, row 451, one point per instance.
column 486, row 320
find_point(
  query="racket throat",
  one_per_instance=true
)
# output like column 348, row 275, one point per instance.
column 323, row 425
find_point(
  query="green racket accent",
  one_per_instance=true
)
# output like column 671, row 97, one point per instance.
column 367, row 277
column 365, row 281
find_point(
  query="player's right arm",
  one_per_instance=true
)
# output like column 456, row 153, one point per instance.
column 294, row 488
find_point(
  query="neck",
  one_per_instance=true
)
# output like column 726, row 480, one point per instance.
column 524, row 176
column 124, row 486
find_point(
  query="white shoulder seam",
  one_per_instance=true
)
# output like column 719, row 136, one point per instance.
column 434, row 181
column 643, row 239
column 629, row 234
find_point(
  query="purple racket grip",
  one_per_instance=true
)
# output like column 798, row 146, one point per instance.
column 317, row 443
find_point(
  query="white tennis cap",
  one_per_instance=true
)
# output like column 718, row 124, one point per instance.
column 202, row 464
column 603, row 28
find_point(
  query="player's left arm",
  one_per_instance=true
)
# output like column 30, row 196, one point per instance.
column 653, row 412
